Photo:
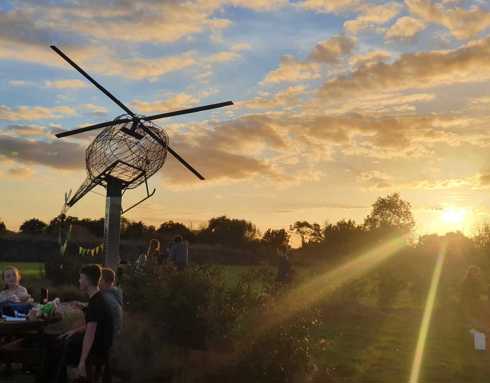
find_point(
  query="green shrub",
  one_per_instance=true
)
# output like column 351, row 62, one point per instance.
column 194, row 309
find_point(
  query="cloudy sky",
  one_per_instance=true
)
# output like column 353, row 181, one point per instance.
column 337, row 102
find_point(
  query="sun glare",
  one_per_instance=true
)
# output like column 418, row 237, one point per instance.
column 452, row 216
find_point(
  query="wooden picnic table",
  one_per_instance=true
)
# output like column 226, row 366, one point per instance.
column 19, row 328
column 25, row 343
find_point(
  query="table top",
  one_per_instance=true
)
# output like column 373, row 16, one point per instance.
column 9, row 327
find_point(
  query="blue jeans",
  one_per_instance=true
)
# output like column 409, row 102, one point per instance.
column 9, row 308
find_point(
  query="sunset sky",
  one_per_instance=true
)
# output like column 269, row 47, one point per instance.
column 337, row 102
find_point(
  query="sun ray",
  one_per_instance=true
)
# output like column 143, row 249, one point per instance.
column 320, row 287
column 429, row 308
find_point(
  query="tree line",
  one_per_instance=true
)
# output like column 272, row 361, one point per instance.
column 389, row 216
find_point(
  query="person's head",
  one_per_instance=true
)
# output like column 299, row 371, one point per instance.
column 89, row 277
column 108, row 278
column 153, row 247
column 11, row 277
column 178, row 239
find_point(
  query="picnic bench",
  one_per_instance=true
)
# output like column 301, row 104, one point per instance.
column 25, row 343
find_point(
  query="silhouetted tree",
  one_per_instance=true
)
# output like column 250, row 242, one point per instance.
column 342, row 238
column 3, row 228
column 171, row 229
column 276, row 239
column 482, row 237
column 390, row 215
column 33, row 226
column 231, row 232
column 133, row 230
column 308, row 232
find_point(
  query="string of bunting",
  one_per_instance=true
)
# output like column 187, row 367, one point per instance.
column 91, row 252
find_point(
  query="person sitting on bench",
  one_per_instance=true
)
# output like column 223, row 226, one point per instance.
column 94, row 340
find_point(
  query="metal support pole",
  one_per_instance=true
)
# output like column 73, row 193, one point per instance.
column 112, row 223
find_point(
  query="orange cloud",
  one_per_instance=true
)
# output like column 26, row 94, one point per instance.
column 286, row 98
column 333, row 49
column 25, row 113
column 372, row 15
column 369, row 58
column 330, row 6
column 462, row 23
column 415, row 71
column 292, row 70
column 330, row 51
column 405, row 28
column 178, row 101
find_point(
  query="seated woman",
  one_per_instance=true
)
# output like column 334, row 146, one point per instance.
column 13, row 292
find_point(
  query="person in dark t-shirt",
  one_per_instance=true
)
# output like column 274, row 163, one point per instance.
column 94, row 339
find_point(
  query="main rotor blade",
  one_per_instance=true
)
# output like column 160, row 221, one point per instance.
column 91, row 127
column 88, row 77
column 173, row 152
column 186, row 111
column 185, row 163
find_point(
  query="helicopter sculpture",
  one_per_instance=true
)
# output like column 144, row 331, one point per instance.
column 128, row 151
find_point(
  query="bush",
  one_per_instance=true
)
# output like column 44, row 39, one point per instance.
column 272, row 351
column 195, row 310
column 192, row 308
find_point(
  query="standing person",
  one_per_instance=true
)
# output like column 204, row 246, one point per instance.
column 151, row 255
column 283, row 266
column 179, row 253
column 114, row 298
column 94, row 340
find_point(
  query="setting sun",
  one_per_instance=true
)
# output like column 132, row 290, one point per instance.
column 452, row 216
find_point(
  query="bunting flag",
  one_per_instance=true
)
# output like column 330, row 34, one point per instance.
column 91, row 252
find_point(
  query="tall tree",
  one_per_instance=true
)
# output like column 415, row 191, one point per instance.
column 482, row 237
column 390, row 215
column 134, row 230
column 308, row 232
column 231, row 232
column 172, row 229
column 276, row 239
column 33, row 226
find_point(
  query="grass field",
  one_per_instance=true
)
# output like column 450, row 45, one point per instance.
column 29, row 270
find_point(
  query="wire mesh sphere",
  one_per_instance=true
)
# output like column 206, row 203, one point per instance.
column 124, row 157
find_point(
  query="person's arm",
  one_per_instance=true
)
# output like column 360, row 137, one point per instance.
column 23, row 295
column 72, row 332
column 88, row 341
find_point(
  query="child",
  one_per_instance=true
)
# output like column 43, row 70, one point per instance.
column 13, row 291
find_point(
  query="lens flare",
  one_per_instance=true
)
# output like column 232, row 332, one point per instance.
column 320, row 287
column 424, row 326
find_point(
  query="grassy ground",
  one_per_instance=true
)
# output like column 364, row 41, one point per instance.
column 29, row 270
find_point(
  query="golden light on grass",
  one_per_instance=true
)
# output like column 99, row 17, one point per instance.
column 320, row 287
column 424, row 326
